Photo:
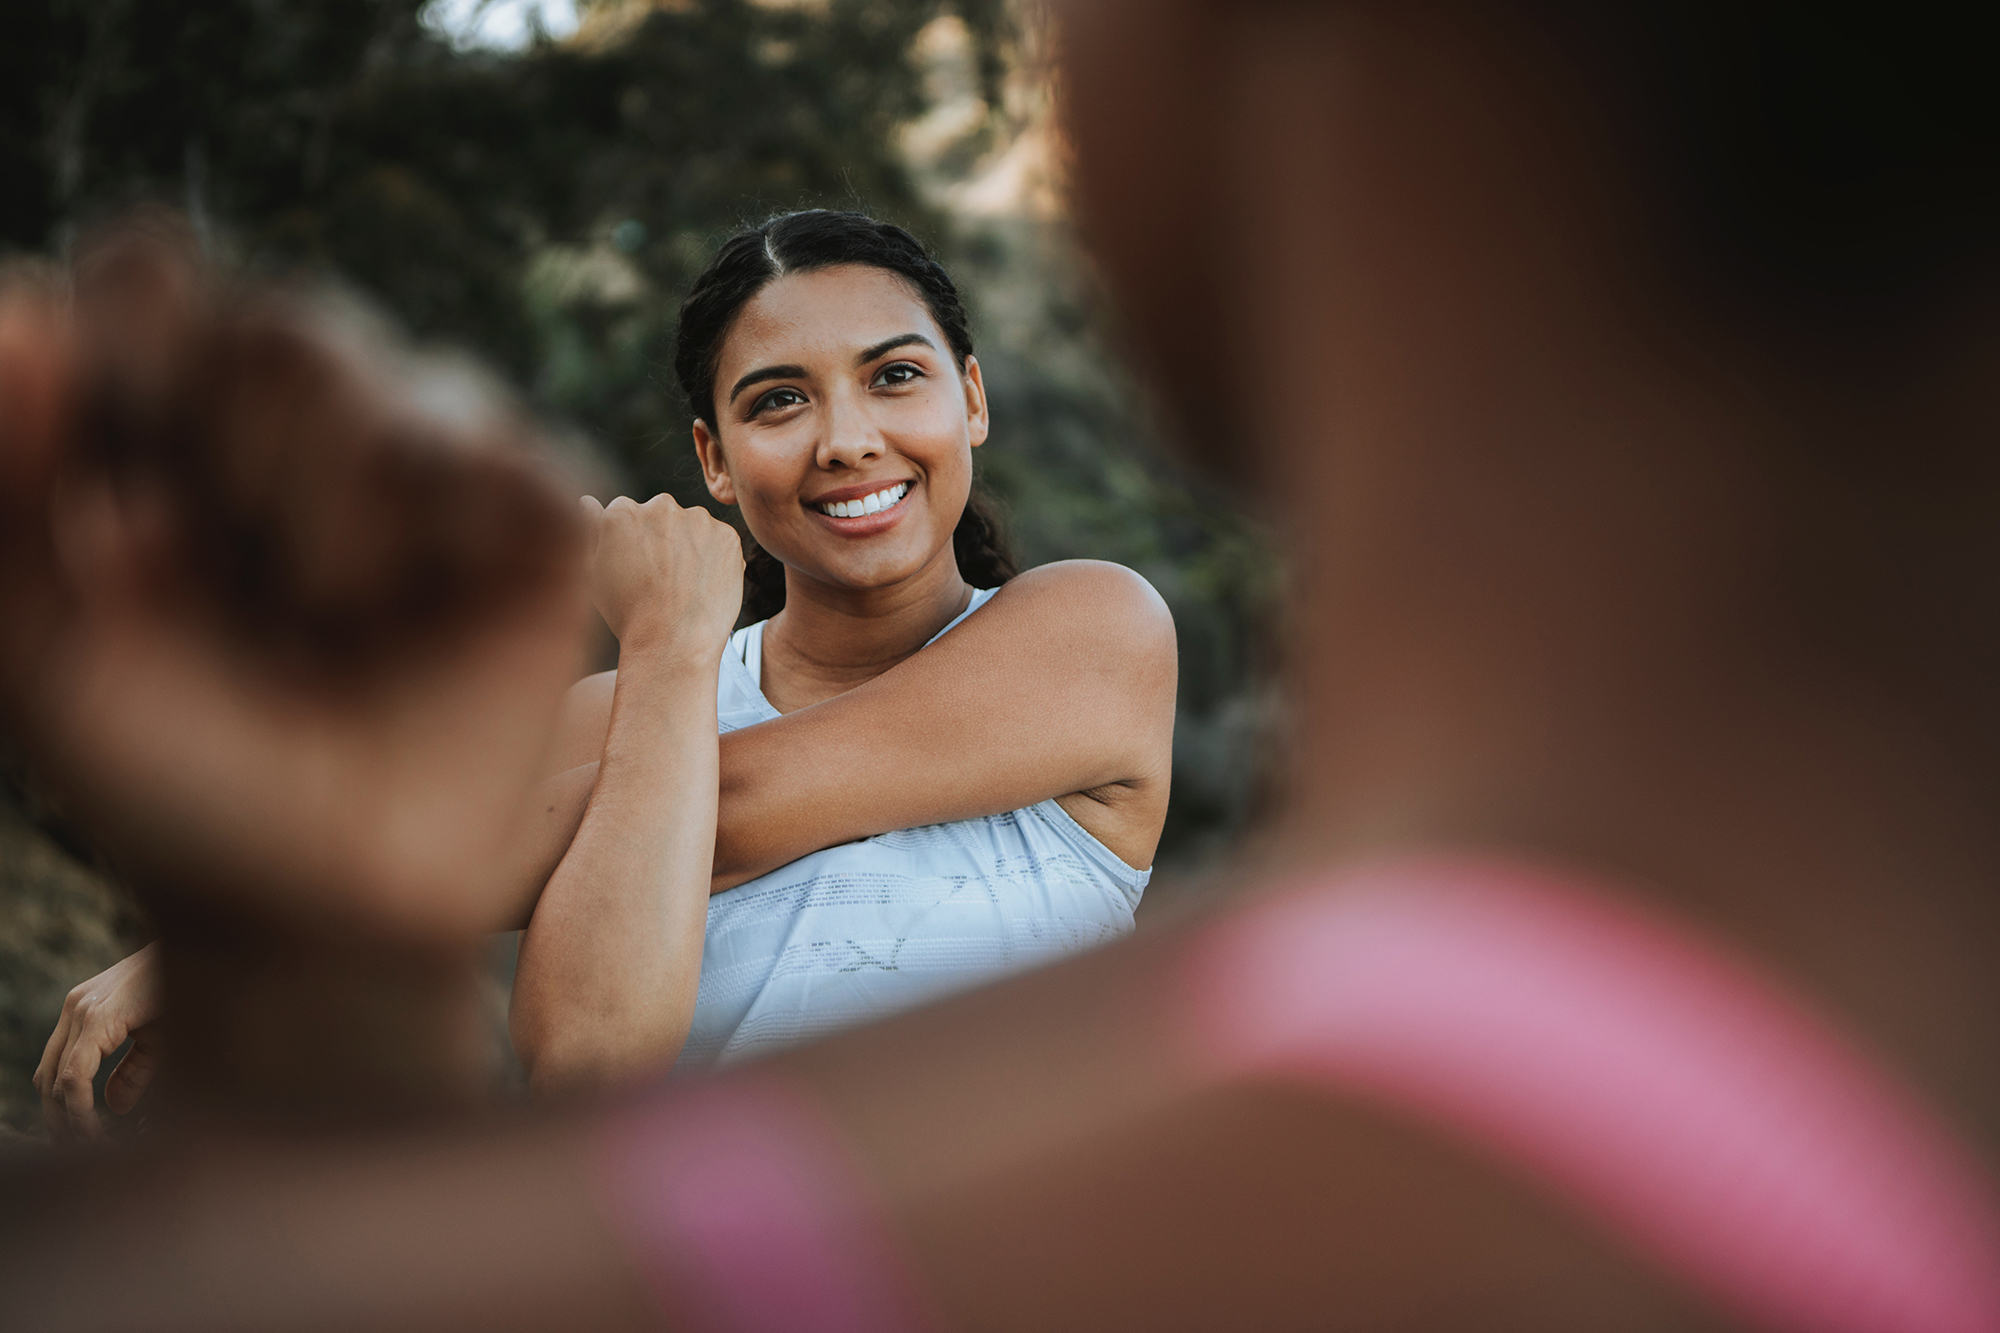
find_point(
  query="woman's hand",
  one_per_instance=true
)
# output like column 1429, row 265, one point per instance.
column 666, row 579
column 97, row 1016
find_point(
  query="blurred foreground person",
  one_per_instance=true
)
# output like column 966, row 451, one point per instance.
column 1621, row 383
column 289, row 624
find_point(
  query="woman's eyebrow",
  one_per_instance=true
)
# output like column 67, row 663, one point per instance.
column 891, row 344
column 767, row 373
column 799, row 372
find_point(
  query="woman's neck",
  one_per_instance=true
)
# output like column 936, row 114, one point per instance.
column 828, row 639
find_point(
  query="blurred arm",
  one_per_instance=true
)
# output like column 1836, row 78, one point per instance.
column 1044, row 1151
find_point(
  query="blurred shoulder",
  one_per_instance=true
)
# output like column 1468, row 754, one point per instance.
column 1094, row 598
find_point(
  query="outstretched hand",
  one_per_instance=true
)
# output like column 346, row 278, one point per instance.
column 289, row 624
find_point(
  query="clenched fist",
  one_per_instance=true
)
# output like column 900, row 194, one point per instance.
column 667, row 580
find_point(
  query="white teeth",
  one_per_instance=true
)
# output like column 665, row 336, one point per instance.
column 867, row 504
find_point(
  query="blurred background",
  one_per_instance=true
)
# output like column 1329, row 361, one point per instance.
column 534, row 182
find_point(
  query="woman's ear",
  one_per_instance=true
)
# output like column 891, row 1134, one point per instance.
column 975, row 401
column 713, row 470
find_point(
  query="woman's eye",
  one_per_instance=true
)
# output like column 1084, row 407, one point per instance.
column 900, row 373
column 776, row 399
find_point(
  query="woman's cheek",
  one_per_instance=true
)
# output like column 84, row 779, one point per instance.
column 775, row 478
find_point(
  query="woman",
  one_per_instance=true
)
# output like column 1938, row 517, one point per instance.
column 902, row 810
column 877, row 846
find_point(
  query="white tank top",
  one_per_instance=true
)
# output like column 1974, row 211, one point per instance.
column 857, row 931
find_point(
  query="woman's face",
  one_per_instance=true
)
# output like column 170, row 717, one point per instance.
column 843, row 427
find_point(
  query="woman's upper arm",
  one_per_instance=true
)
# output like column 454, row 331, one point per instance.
column 1064, row 682
column 583, row 723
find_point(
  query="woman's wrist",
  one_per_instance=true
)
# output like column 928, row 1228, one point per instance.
column 669, row 646
column 664, row 684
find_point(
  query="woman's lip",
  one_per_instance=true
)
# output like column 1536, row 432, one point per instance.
column 866, row 525
column 859, row 491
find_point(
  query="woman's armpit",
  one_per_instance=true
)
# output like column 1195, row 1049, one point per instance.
column 1126, row 818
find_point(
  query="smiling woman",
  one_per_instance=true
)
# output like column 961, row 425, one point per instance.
column 886, row 268
column 930, row 771
column 927, row 780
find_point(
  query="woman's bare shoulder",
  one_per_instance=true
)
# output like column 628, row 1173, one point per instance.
column 1102, row 603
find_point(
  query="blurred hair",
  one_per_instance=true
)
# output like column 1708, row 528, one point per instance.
column 800, row 243
column 402, row 505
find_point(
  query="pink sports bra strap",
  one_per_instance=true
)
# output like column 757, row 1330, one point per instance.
column 1664, row 1089
column 746, row 1216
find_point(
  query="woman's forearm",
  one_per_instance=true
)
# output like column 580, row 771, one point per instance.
column 1064, row 683
column 545, row 836
column 611, row 960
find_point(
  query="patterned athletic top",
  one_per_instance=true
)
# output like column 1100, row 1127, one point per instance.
column 858, row 931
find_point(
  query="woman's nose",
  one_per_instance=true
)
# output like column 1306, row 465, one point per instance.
column 850, row 439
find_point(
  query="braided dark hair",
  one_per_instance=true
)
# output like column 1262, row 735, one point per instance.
column 801, row 242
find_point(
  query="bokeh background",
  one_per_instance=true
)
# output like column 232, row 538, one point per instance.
column 534, row 182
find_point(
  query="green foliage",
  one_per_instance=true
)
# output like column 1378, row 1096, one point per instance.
column 547, row 208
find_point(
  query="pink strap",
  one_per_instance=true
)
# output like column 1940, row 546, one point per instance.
column 746, row 1217
column 1666, row 1090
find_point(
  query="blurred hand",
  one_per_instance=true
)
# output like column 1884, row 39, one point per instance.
column 97, row 1016
column 666, row 579
column 289, row 626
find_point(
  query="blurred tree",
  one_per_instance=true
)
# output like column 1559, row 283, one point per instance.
column 546, row 208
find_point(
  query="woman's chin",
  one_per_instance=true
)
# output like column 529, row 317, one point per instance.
column 876, row 571
column 860, row 561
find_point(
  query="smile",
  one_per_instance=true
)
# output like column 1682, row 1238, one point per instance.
column 886, row 498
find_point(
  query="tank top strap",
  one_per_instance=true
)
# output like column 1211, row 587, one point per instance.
column 752, row 651
column 979, row 598
column 1660, row 1085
